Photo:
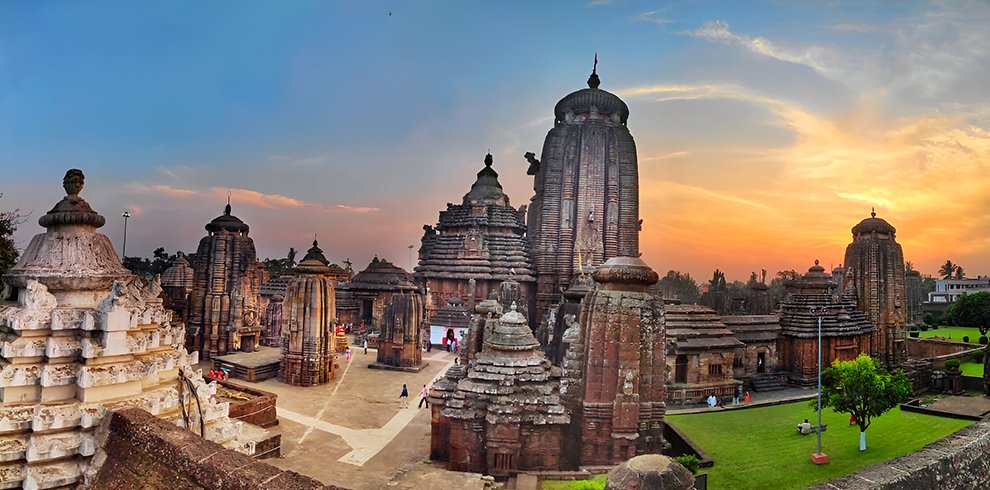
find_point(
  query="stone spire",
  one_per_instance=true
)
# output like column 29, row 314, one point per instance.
column 70, row 254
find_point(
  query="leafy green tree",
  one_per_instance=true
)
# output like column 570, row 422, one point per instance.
column 8, row 252
column 676, row 285
column 959, row 272
column 863, row 389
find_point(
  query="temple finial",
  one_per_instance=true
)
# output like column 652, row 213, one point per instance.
column 593, row 80
column 488, row 159
column 314, row 239
column 873, row 212
column 226, row 209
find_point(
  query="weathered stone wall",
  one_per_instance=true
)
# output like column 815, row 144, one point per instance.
column 958, row 462
column 930, row 348
column 259, row 410
column 141, row 451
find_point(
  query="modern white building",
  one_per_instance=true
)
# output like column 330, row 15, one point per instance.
column 949, row 290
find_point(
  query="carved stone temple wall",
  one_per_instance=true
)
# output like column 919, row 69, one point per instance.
column 400, row 338
column 308, row 317
column 874, row 268
column 586, row 204
column 617, row 399
column 83, row 336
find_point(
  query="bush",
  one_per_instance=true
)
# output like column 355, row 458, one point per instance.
column 934, row 327
column 914, row 334
column 589, row 485
column 923, row 327
column 966, row 339
column 690, row 461
column 930, row 319
column 978, row 355
column 983, row 339
column 913, row 328
column 952, row 365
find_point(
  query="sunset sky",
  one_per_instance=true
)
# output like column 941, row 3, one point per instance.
column 765, row 130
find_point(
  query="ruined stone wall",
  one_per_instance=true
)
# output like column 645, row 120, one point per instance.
column 929, row 348
column 958, row 461
column 141, row 451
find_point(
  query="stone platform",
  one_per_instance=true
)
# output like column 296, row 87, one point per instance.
column 405, row 369
column 259, row 365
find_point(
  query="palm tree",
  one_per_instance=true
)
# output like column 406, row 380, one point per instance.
column 908, row 266
column 947, row 269
column 959, row 272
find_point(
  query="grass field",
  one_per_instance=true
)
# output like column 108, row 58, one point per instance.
column 571, row 484
column 760, row 448
column 952, row 333
column 974, row 369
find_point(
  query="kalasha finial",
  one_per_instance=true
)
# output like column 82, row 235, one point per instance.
column 816, row 261
column 73, row 181
column 226, row 209
column 488, row 159
column 314, row 239
column 873, row 212
column 593, row 81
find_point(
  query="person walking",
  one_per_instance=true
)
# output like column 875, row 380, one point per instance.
column 347, row 354
column 426, row 393
column 747, row 397
column 404, row 398
column 365, row 346
column 735, row 395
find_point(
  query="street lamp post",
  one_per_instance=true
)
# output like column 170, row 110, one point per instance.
column 819, row 457
column 410, row 259
column 123, row 248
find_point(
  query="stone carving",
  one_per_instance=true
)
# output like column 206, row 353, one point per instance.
column 111, row 301
column 627, row 385
column 37, row 297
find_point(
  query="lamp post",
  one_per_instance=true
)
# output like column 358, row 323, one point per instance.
column 123, row 248
column 820, row 312
column 410, row 259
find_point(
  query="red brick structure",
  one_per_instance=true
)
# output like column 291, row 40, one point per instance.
column 759, row 360
column 874, row 269
column 586, row 204
column 227, row 276
column 619, row 402
column 505, row 413
column 846, row 332
column 308, row 323
column 701, row 351
column 475, row 246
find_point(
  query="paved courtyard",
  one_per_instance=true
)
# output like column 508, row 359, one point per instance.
column 352, row 433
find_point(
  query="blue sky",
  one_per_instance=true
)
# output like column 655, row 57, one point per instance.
column 765, row 129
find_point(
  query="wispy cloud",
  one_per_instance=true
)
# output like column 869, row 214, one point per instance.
column 654, row 16
column 241, row 197
column 718, row 31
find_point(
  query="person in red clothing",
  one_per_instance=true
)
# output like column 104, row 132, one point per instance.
column 747, row 397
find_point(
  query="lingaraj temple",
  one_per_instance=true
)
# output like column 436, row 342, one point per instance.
column 569, row 354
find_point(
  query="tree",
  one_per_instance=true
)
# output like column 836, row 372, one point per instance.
column 863, row 389
column 8, row 251
column 279, row 267
column 947, row 269
column 959, row 272
column 676, row 285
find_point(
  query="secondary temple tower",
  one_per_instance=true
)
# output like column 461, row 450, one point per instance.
column 874, row 268
column 586, row 204
column 308, row 316
column 226, row 280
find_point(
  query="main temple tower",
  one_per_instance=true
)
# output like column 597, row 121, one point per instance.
column 874, row 269
column 586, row 206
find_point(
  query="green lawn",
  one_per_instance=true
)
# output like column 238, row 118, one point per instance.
column 760, row 448
column 952, row 333
column 570, row 484
column 970, row 368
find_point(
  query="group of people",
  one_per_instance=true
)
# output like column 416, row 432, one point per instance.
column 222, row 373
column 404, row 397
column 714, row 401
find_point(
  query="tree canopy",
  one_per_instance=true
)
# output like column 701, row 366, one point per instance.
column 971, row 310
column 676, row 285
column 8, row 251
column 150, row 268
column 862, row 388
column 950, row 270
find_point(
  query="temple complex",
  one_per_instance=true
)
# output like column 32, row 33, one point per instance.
column 476, row 245
column 225, row 304
column 845, row 331
column 84, row 336
column 504, row 412
column 874, row 268
column 448, row 323
column 400, row 334
column 757, row 364
column 702, row 352
column 308, row 321
column 586, row 204
column 364, row 297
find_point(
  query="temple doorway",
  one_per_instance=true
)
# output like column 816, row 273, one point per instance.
column 367, row 308
column 680, row 369
column 761, row 362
